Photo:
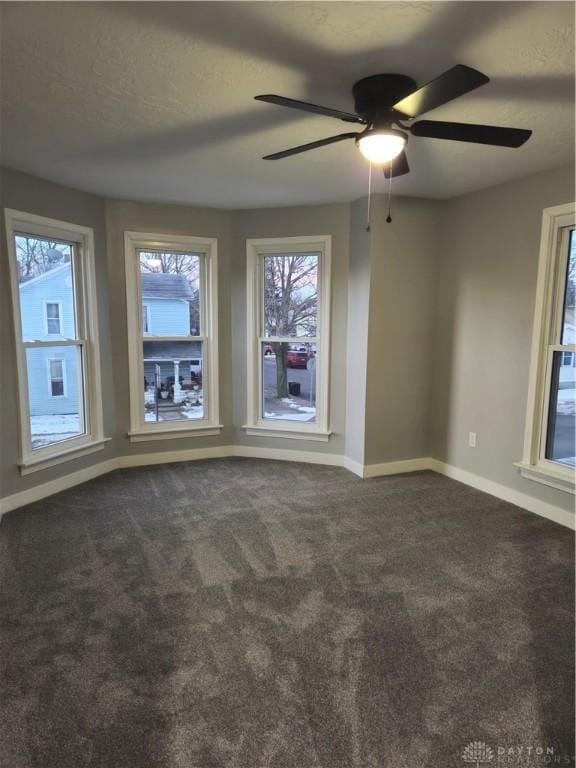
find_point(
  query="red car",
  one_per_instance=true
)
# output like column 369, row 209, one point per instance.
column 297, row 358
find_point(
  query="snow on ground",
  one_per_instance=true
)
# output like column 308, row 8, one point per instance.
column 185, row 412
column 302, row 408
column 289, row 416
column 193, row 412
column 45, row 430
column 55, row 425
column 567, row 402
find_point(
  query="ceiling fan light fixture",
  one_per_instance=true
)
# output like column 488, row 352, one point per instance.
column 381, row 145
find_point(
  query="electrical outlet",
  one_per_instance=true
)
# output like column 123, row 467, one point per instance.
column 472, row 439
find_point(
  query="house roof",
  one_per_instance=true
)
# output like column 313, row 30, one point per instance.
column 45, row 276
column 161, row 285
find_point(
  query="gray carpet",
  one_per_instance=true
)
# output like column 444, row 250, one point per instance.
column 246, row 614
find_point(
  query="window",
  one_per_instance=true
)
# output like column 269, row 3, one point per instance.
column 549, row 449
column 171, row 286
column 53, row 315
column 56, row 384
column 288, row 283
column 53, row 286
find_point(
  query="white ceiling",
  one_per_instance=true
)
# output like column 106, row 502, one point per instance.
column 154, row 100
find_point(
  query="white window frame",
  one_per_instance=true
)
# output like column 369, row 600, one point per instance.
column 47, row 330
column 556, row 223
column 51, row 379
column 256, row 249
column 140, row 430
column 87, row 338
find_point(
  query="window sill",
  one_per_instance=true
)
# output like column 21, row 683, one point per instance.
column 30, row 465
column 261, row 430
column 145, row 435
column 562, row 479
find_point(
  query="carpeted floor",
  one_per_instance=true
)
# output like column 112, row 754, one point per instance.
column 246, row 614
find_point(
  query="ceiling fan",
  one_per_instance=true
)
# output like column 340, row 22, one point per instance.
column 387, row 104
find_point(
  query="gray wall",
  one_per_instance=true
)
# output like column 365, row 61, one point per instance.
column 404, row 256
column 487, row 284
column 357, row 333
column 331, row 220
column 26, row 193
column 165, row 219
column 432, row 320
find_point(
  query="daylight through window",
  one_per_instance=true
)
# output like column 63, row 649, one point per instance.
column 289, row 323
column 549, row 445
column 172, row 370
column 52, row 276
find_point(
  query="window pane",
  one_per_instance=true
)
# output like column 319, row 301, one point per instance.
column 56, row 369
column 170, row 287
column 562, row 412
column 173, row 386
column 55, row 394
column 568, row 319
column 289, row 381
column 290, row 294
column 45, row 281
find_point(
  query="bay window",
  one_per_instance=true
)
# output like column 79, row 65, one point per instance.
column 549, row 449
column 288, row 299
column 171, row 284
column 57, row 352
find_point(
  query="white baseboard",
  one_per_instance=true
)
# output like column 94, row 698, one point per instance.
column 281, row 454
column 38, row 492
column 556, row 514
column 171, row 457
column 353, row 466
column 396, row 467
column 529, row 503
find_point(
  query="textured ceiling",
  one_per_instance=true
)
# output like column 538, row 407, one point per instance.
column 154, row 101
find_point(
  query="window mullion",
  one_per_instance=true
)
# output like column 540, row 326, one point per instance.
column 147, row 337
column 39, row 344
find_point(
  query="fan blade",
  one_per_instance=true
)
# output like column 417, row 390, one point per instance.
column 399, row 166
column 312, row 145
column 281, row 101
column 453, row 83
column 478, row 134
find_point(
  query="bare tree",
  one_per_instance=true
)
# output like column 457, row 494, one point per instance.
column 171, row 263
column 290, row 301
column 35, row 256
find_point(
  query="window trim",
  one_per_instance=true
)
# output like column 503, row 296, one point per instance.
column 84, row 276
column 547, row 316
column 134, row 241
column 51, row 379
column 47, row 331
column 255, row 425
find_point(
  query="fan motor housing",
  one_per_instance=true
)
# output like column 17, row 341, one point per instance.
column 375, row 95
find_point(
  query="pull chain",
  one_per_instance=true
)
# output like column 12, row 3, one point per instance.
column 369, row 198
column 389, row 217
